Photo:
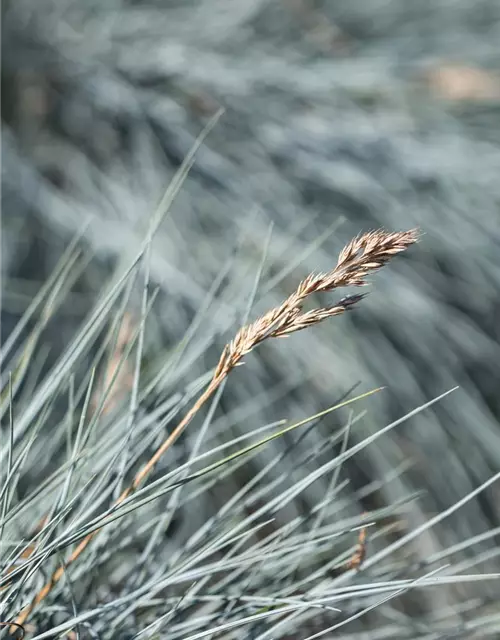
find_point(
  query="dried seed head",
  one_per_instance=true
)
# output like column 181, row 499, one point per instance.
column 362, row 256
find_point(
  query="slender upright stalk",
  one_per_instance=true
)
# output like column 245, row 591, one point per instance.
column 362, row 256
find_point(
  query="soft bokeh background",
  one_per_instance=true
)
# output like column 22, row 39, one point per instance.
column 340, row 117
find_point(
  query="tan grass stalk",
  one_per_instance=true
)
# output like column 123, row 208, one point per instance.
column 116, row 382
column 361, row 257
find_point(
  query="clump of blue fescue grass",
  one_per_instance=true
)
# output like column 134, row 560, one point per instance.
column 325, row 142
column 246, row 561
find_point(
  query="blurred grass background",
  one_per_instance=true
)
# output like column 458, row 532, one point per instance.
column 339, row 117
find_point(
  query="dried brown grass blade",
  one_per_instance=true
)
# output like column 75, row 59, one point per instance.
column 362, row 256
